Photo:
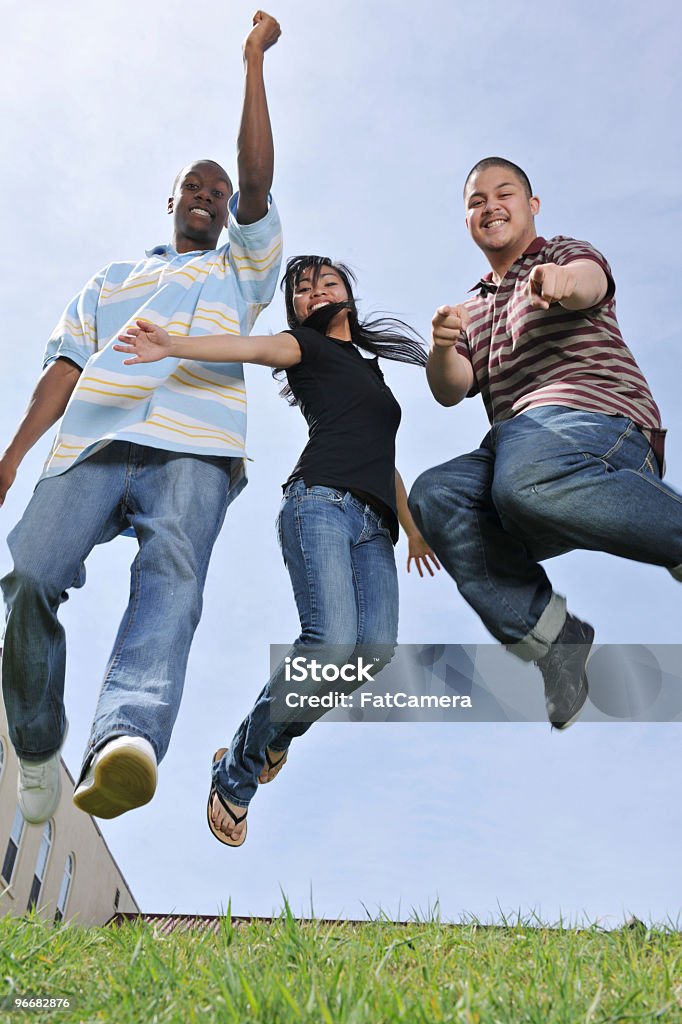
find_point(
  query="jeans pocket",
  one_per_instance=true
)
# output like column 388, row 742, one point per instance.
column 380, row 522
column 628, row 428
column 650, row 465
column 384, row 530
column 320, row 492
column 631, row 450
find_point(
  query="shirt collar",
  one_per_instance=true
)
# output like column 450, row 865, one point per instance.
column 168, row 251
column 486, row 286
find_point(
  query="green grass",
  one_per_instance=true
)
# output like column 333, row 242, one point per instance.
column 343, row 973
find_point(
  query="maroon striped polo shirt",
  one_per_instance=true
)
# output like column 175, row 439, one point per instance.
column 524, row 357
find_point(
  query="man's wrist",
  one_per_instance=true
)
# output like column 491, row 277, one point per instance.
column 253, row 56
column 11, row 458
column 441, row 351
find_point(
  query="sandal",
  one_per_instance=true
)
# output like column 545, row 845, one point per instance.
column 273, row 764
column 236, row 818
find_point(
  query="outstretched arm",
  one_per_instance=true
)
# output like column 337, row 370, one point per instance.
column 580, row 284
column 255, row 150
column 418, row 551
column 47, row 404
column 449, row 374
column 148, row 343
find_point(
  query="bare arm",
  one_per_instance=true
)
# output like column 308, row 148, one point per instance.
column 47, row 404
column 577, row 285
column 255, row 150
column 148, row 343
column 449, row 374
column 418, row 551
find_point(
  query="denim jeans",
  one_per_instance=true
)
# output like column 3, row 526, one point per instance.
column 340, row 559
column 547, row 481
column 175, row 504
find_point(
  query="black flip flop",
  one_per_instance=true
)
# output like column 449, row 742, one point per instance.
column 279, row 763
column 237, row 819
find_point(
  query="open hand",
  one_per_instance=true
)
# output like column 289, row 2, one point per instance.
column 146, row 341
column 419, row 552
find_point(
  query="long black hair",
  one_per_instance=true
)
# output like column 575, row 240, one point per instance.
column 382, row 336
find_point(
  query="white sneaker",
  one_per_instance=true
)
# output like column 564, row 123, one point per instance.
column 121, row 775
column 39, row 786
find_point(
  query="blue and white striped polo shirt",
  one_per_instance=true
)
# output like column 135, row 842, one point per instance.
column 179, row 405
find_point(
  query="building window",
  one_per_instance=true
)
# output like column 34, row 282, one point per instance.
column 117, row 899
column 65, row 888
column 41, row 864
column 2, row 755
column 13, row 846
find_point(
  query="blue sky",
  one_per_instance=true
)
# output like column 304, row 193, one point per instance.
column 378, row 112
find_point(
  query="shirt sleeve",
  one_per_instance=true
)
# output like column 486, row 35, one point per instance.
column 75, row 336
column 255, row 254
column 309, row 342
column 563, row 251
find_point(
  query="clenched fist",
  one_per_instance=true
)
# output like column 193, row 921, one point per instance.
column 449, row 324
column 550, row 283
column 263, row 35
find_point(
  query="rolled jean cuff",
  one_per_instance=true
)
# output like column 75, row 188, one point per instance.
column 228, row 795
column 537, row 642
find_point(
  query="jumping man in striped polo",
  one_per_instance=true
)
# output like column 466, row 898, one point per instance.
column 158, row 453
column 575, row 452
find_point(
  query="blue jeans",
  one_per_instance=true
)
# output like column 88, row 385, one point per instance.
column 176, row 504
column 340, row 559
column 547, row 481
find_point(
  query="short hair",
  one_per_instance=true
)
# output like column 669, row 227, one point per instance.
column 499, row 161
column 191, row 164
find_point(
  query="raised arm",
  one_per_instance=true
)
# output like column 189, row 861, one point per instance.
column 449, row 374
column 255, row 150
column 47, row 404
column 418, row 551
column 148, row 343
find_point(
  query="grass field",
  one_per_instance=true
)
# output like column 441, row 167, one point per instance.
column 341, row 973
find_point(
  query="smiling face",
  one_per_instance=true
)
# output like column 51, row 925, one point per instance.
column 199, row 206
column 312, row 282
column 317, row 287
column 500, row 215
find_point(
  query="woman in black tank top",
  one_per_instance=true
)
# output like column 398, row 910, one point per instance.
column 339, row 516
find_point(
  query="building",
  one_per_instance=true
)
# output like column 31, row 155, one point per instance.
column 63, row 869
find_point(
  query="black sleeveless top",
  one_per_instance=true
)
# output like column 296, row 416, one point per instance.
column 352, row 419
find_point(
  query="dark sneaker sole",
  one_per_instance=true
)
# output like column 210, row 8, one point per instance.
column 122, row 780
